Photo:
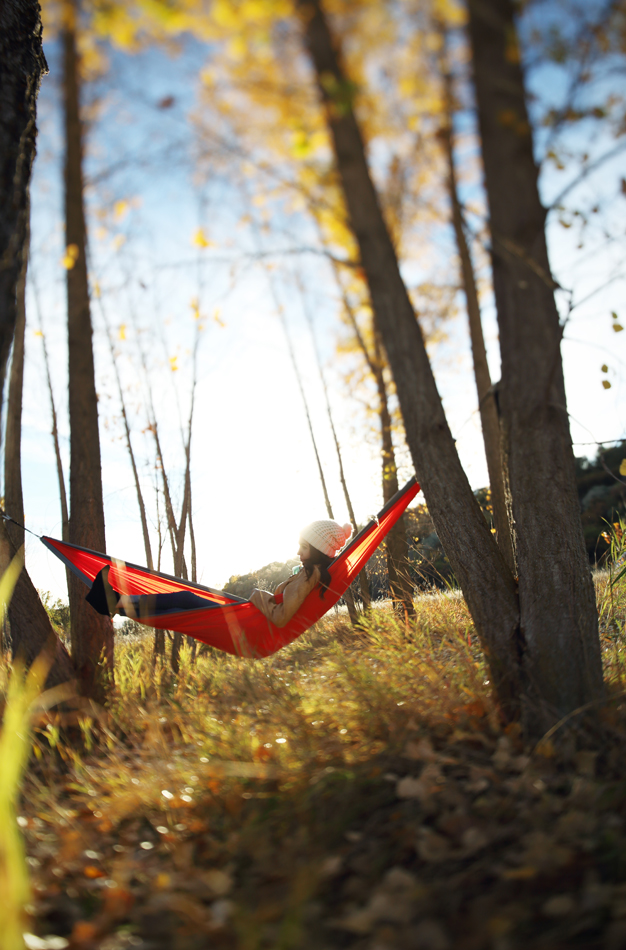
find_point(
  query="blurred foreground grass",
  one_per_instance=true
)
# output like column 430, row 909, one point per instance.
column 355, row 790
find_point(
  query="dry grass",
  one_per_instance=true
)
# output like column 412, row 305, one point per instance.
column 324, row 797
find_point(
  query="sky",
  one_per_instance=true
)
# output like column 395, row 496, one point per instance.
column 254, row 477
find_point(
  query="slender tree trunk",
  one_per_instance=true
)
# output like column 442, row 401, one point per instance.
column 65, row 520
column 22, row 64
column 485, row 579
column 92, row 634
column 490, row 422
column 129, row 446
column 180, row 568
column 194, row 569
column 396, row 545
column 363, row 582
column 159, row 635
column 561, row 649
column 348, row 596
column 13, row 497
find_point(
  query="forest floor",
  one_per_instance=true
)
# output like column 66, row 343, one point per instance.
column 356, row 790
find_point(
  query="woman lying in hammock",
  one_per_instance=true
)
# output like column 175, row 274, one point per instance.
column 320, row 542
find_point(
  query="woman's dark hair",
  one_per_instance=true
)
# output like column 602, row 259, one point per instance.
column 322, row 561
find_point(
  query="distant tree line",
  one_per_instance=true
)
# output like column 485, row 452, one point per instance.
column 602, row 496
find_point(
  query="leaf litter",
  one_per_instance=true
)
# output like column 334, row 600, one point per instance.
column 356, row 790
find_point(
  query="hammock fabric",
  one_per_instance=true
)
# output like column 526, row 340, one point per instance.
column 230, row 623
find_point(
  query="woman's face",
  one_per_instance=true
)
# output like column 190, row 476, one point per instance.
column 304, row 551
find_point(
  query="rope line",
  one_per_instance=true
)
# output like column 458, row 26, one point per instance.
column 6, row 517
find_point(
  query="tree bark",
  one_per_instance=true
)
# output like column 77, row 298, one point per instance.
column 487, row 584
column 22, row 64
column 13, row 497
column 561, row 649
column 92, row 634
column 490, row 423
column 31, row 631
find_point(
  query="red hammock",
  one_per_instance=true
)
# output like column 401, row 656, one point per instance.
column 230, row 623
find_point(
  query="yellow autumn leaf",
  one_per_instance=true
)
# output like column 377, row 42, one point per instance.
column 96, row 289
column 237, row 47
column 622, row 468
column 37, row 333
column 120, row 208
column 618, row 327
column 200, row 239
column 122, row 332
column 71, row 256
column 301, row 144
column 118, row 241
column 224, row 14
column 174, row 363
column 217, row 318
column 606, row 384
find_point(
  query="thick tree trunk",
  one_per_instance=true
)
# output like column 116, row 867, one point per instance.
column 561, row 649
column 13, row 497
column 486, row 581
column 22, row 64
column 490, row 423
column 31, row 631
column 92, row 634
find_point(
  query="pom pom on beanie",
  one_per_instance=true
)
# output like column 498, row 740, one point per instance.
column 327, row 536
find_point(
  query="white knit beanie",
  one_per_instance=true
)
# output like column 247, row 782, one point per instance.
column 326, row 536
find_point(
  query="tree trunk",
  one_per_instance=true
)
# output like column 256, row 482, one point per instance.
column 31, row 631
column 363, row 582
column 129, row 446
column 13, row 497
column 65, row 520
column 348, row 596
column 486, row 581
column 22, row 64
column 489, row 420
column 92, row 634
column 396, row 544
column 561, row 649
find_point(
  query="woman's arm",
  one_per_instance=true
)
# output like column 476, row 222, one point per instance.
column 296, row 589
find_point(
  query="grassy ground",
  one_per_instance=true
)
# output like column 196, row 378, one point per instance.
column 356, row 790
